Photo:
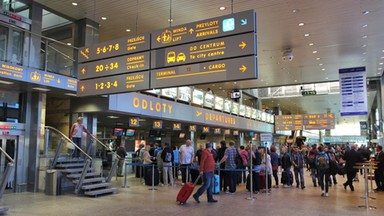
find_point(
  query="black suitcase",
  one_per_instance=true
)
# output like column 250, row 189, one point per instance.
column 194, row 175
column 139, row 171
column 148, row 176
column 256, row 182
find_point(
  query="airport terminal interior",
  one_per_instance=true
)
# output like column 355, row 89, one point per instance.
column 94, row 95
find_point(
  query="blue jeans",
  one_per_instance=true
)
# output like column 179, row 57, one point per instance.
column 301, row 172
column 207, row 186
column 323, row 176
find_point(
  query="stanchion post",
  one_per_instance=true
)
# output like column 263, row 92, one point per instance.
column 125, row 177
column 187, row 173
column 153, row 178
column 251, row 177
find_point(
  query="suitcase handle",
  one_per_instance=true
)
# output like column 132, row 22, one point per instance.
column 198, row 177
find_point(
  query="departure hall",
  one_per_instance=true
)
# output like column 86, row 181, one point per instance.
column 180, row 107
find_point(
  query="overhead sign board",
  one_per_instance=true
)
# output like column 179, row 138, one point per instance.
column 114, row 84
column 206, row 29
column 307, row 93
column 220, row 48
column 121, row 46
column 216, row 71
column 114, row 66
column 306, row 121
column 134, row 122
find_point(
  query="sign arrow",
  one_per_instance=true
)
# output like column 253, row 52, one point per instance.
column 198, row 113
column 87, row 50
column 243, row 68
column 82, row 88
column 242, row 45
column 158, row 38
column 244, row 21
column 191, row 31
column 83, row 71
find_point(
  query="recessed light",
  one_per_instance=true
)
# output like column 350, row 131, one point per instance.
column 113, row 117
column 382, row 57
column 326, row 78
column 311, row 44
column 378, row 73
column 222, row 8
column 365, row 36
column 364, row 53
column 306, row 35
column 382, row 50
column 104, row 18
column 294, row 11
column 69, row 44
column 365, row 26
column 381, row 63
column 127, row 30
column 295, row 80
column 320, row 64
column 301, row 24
column 74, row 3
column 363, row 59
column 323, row 69
column 366, row 12
column 317, row 59
column 41, row 89
column 71, row 94
column 379, row 68
column 364, row 45
column 170, row 20
column 220, row 87
column 314, row 51
column 6, row 82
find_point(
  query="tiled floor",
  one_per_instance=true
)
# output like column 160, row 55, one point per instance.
column 139, row 200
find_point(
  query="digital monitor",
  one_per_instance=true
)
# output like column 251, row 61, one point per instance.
column 181, row 135
column 254, row 113
column 118, row 131
column 209, row 100
column 169, row 93
column 197, row 97
column 248, row 111
column 263, row 116
column 235, row 108
column 129, row 132
column 184, row 94
column 219, row 103
column 227, row 105
column 242, row 110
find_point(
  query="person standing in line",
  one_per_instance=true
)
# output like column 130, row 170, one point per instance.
column 379, row 172
column 245, row 157
column 167, row 156
column 207, row 167
column 186, row 155
column 286, row 164
column 275, row 165
column 311, row 161
column 229, row 159
column 220, row 155
column 122, row 154
column 322, row 165
column 351, row 157
column 298, row 167
column 76, row 134
column 175, row 163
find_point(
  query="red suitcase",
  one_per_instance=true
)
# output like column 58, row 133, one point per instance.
column 186, row 191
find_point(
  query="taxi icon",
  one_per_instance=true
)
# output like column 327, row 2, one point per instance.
column 181, row 57
column 171, row 57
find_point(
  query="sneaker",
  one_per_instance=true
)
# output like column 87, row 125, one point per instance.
column 232, row 193
column 227, row 192
column 212, row 201
column 326, row 194
column 302, row 187
column 196, row 199
column 322, row 194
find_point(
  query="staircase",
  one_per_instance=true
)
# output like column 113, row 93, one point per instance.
column 92, row 184
column 79, row 171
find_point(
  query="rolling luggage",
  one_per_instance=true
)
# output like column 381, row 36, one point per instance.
column 148, row 176
column 216, row 184
column 139, row 171
column 186, row 191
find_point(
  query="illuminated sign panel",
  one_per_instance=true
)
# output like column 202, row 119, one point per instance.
column 205, row 130
column 217, row 131
column 206, row 29
column 209, row 72
column 307, row 121
column 114, row 66
column 227, row 47
column 134, row 122
column 112, row 48
column 115, row 84
column 176, row 126
column 158, row 124
column 192, row 128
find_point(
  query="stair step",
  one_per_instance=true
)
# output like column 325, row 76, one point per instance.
column 100, row 192
column 77, row 170
column 70, row 160
column 68, row 165
column 77, row 175
column 3, row 209
column 90, row 180
column 94, row 186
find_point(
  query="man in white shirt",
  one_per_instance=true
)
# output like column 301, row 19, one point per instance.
column 186, row 155
column 76, row 134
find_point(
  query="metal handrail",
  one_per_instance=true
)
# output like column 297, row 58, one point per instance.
column 105, row 146
column 7, row 155
column 69, row 140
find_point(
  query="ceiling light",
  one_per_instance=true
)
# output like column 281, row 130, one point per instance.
column 364, row 53
column 314, row 51
column 41, row 89
column 295, row 80
column 127, row 30
column 323, row 69
column 382, row 50
column 294, row 11
column 104, row 18
column 170, row 20
column 220, row 87
column 378, row 73
column 6, row 82
column 113, row 117
column 306, row 35
column 364, row 45
column 365, row 26
column 71, row 94
column 365, row 36
column 317, row 59
column 69, row 44
column 320, row 64
column 379, row 68
column 311, row 44
column 222, row 8
column 366, row 12
column 381, row 63
column 326, row 78
column 74, row 3
column 301, row 24
column 363, row 59
column 382, row 57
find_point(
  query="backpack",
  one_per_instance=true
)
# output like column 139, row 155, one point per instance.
column 168, row 157
column 322, row 162
column 311, row 157
column 238, row 160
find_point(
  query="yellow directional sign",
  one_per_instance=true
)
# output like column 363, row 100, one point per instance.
column 243, row 68
column 198, row 113
column 82, row 88
column 242, row 45
column 83, row 71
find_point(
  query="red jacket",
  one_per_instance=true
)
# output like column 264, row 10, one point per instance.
column 207, row 163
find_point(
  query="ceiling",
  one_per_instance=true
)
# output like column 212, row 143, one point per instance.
column 341, row 34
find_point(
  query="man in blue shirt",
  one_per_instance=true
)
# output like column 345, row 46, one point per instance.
column 229, row 159
column 298, row 167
